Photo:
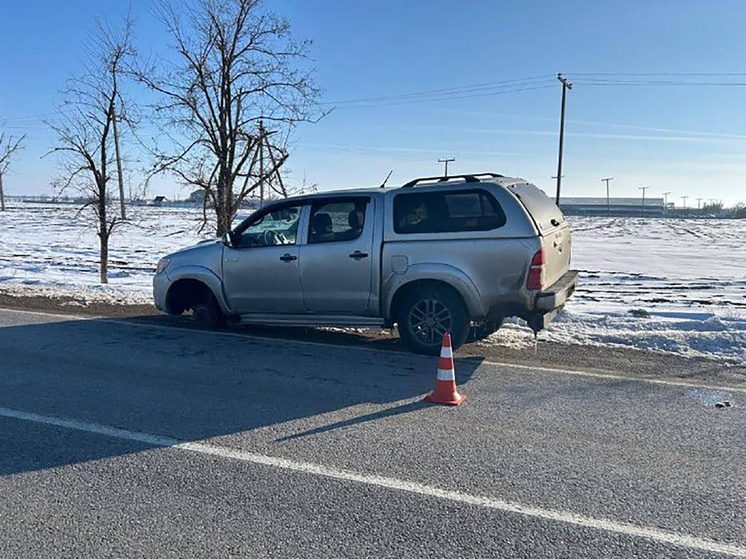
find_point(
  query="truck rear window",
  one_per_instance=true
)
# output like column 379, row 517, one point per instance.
column 446, row 212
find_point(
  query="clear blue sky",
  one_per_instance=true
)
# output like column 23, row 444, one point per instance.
column 690, row 140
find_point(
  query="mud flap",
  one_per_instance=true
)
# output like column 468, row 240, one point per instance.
column 538, row 321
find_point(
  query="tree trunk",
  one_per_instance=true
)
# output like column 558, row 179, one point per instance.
column 221, row 211
column 103, row 235
column 223, row 225
column 223, row 204
column 2, row 195
column 119, row 163
column 104, row 268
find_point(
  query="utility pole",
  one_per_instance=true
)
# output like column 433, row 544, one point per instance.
column 446, row 161
column 699, row 203
column 665, row 202
column 261, row 165
column 270, row 179
column 119, row 161
column 643, row 188
column 608, row 205
column 684, row 198
column 565, row 86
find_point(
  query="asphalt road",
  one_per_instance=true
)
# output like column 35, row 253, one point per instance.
column 130, row 440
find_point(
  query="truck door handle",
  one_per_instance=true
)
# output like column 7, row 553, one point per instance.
column 357, row 255
column 231, row 259
column 288, row 258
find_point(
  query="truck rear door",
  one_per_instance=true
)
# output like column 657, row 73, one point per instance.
column 336, row 261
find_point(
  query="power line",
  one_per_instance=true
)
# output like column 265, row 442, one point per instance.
column 660, row 83
column 658, row 73
column 662, row 79
column 541, row 81
column 443, row 98
column 447, row 91
column 27, row 119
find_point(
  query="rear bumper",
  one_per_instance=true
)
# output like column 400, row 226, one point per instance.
column 556, row 295
column 549, row 301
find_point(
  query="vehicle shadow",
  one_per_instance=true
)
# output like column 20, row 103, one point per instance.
column 189, row 385
column 375, row 338
column 388, row 412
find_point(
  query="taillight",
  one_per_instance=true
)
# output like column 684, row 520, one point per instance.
column 535, row 279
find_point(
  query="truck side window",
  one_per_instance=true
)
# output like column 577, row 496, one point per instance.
column 451, row 212
column 337, row 221
column 277, row 227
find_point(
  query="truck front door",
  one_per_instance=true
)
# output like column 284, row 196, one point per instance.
column 260, row 269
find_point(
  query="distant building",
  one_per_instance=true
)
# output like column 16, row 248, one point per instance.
column 197, row 196
column 159, row 200
column 616, row 206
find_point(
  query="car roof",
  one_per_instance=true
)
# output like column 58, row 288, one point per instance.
column 378, row 191
column 344, row 192
column 460, row 183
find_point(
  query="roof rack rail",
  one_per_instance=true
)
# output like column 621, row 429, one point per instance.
column 472, row 177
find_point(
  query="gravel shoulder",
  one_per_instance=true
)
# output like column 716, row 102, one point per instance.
column 609, row 360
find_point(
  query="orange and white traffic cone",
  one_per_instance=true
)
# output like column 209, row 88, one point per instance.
column 445, row 383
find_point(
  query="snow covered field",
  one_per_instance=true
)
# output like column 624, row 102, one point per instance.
column 669, row 285
column 49, row 250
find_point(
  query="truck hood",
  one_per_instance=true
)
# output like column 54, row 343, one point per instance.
column 206, row 246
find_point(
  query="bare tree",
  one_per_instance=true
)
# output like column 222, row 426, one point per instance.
column 8, row 146
column 739, row 210
column 237, row 70
column 85, row 129
column 712, row 208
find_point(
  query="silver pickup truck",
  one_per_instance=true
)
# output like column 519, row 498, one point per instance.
column 436, row 255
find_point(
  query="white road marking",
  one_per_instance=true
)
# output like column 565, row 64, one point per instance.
column 567, row 517
column 664, row 382
column 529, row 368
column 43, row 313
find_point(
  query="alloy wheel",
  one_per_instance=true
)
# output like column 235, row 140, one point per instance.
column 428, row 320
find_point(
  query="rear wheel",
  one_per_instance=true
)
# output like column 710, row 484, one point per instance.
column 426, row 314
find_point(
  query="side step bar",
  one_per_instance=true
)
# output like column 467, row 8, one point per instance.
column 310, row 320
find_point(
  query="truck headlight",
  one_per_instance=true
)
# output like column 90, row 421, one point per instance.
column 162, row 265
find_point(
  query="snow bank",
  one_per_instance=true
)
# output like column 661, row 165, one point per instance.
column 698, row 335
